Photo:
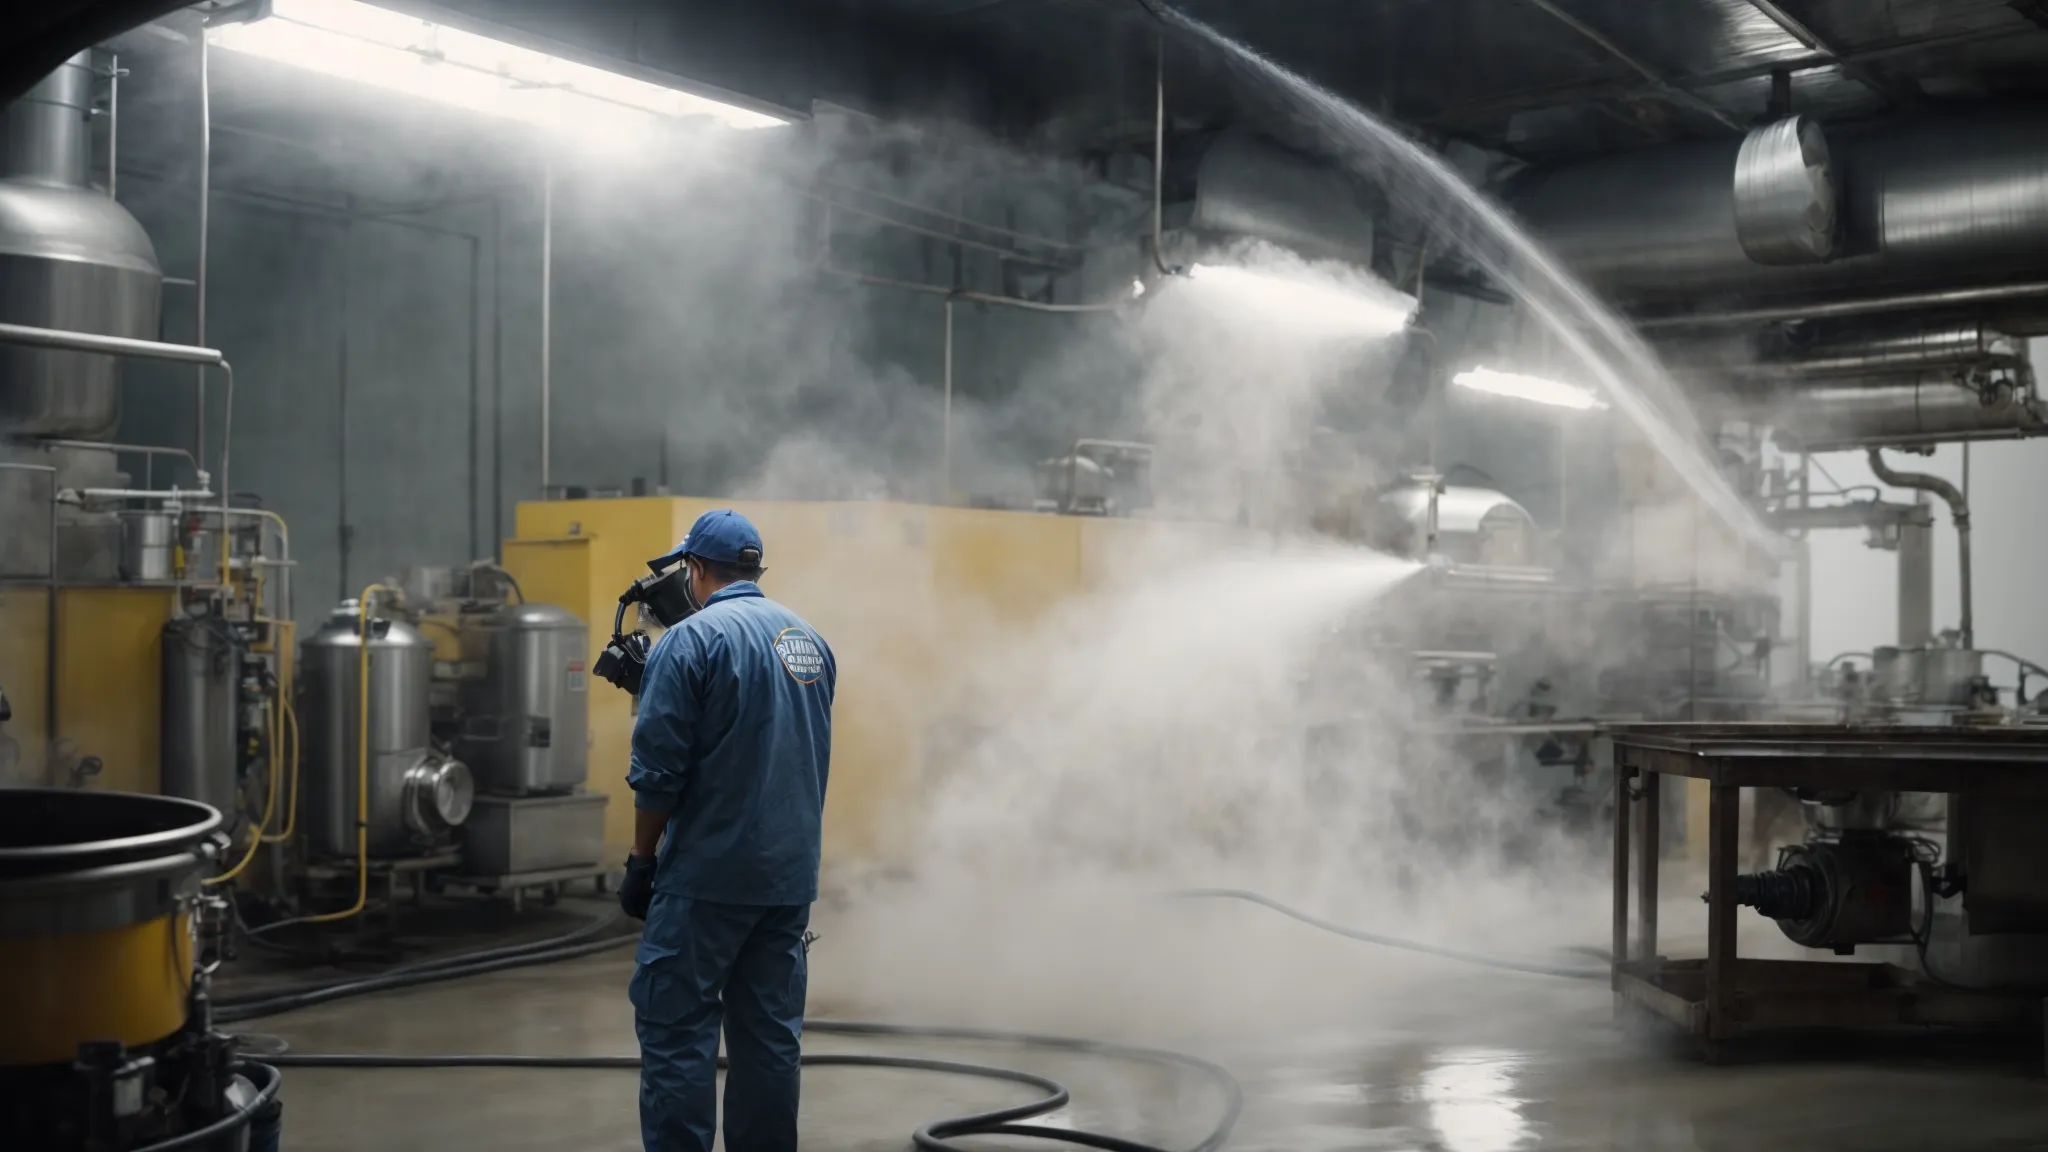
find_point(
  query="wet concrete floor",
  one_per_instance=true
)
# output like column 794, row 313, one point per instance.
column 1460, row 1060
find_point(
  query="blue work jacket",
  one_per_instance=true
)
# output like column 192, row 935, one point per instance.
column 734, row 741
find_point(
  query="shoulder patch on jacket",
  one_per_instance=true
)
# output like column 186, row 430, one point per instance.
column 800, row 655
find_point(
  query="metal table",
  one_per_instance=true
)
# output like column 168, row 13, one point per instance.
column 1722, row 997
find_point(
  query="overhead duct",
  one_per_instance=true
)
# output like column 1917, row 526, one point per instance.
column 1913, row 409
column 1960, row 346
column 1247, row 186
column 1785, row 209
column 1929, row 203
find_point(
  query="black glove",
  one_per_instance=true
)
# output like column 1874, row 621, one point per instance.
column 636, row 891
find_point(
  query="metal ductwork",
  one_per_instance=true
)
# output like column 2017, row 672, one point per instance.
column 1811, row 352
column 1785, row 209
column 70, row 257
column 1927, row 203
column 1250, row 187
column 1959, row 346
column 1904, row 410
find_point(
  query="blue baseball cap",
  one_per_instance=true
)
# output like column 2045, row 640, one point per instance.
column 722, row 535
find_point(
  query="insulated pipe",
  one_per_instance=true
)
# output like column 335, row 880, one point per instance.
column 1957, row 200
column 1955, row 345
column 1959, row 511
column 1832, row 309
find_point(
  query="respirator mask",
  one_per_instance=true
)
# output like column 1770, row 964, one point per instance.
column 667, row 597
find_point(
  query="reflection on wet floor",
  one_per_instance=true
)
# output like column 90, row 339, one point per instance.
column 1463, row 1064
column 1470, row 1095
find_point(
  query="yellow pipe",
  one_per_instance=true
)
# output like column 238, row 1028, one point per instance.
column 256, row 841
column 362, row 763
column 285, row 722
column 291, row 731
column 276, row 780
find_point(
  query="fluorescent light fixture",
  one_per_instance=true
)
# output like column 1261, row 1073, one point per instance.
column 391, row 50
column 1319, row 302
column 1532, row 388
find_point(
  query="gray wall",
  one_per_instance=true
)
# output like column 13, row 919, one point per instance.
column 388, row 364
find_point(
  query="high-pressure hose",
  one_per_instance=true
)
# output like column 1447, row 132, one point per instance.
column 937, row 1136
column 1959, row 511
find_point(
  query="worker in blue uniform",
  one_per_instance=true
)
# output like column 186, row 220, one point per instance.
column 730, row 756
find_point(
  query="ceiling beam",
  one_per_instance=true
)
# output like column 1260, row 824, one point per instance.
column 1562, row 95
column 1799, row 30
column 1663, row 86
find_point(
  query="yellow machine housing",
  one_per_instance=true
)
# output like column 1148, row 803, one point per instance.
column 128, row 984
column 911, row 597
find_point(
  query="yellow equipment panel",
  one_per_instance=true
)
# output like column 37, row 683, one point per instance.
column 109, row 677
column 910, row 597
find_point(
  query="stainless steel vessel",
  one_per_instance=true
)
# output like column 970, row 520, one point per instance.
column 200, row 722
column 70, row 257
column 525, row 719
column 416, row 794
column 1932, row 676
column 147, row 541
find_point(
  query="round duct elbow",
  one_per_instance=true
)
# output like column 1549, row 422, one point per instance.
column 1785, row 194
column 1250, row 187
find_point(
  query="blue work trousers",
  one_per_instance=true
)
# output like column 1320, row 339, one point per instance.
column 702, row 964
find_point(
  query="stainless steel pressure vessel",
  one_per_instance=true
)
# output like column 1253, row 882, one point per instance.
column 525, row 720
column 415, row 795
column 199, row 725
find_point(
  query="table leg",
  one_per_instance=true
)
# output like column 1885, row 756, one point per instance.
column 1649, row 847
column 1724, row 820
column 1621, row 802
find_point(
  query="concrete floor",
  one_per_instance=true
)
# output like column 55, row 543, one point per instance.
column 1451, row 1060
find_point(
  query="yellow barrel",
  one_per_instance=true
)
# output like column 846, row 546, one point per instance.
column 95, row 931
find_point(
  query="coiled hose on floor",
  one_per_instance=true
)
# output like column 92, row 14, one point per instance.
column 937, row 1136
column 598, row 935
column 933, row 1137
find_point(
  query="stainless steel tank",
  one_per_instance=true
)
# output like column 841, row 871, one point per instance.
column 148, row 539
column 525, row 720
column 1933, row 676
column 200, row 720
column 416, row 795
column 70, row 257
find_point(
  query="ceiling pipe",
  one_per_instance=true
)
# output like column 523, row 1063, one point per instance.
column 1902, row 410
column 1835, row 309
column 1817, row 44
column 1958, row 347
column 1657, row 79
column 1926, row 204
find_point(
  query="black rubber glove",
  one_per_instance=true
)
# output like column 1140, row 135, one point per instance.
column 636, row 891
